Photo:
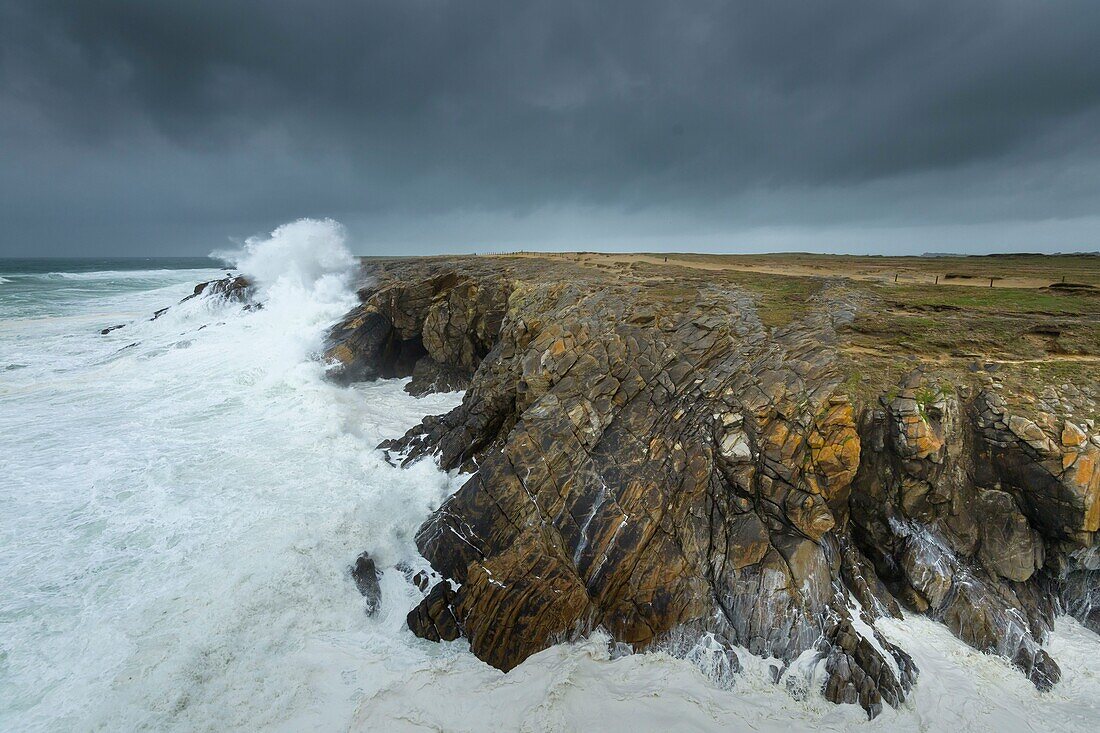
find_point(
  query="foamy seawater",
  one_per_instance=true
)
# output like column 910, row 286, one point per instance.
column 180, row 500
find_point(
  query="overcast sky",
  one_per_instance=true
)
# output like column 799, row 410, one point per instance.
column 148, row 127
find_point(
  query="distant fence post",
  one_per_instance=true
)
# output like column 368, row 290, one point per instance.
column 990, row 282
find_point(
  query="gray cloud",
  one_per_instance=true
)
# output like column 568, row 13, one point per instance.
column 163, row 127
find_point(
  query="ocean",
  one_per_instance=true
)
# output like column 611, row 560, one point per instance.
column 181, row 499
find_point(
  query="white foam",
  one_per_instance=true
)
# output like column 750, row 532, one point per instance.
column 182, row 499
column 584, row 687
column 310, row 254
column 94, row 275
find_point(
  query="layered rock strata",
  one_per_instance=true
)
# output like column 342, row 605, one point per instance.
column 650, row 458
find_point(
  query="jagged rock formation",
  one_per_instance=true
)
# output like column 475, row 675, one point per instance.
column 958, row 505
column 366, row 576
column 437, row 328
column 235, row 288
column 232, row 288
column 652, row 458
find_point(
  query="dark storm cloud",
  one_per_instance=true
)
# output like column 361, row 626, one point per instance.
column 138, row 125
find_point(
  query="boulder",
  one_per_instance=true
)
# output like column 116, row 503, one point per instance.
column 367, row 578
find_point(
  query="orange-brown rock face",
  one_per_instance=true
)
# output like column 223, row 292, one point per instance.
column 654, row 460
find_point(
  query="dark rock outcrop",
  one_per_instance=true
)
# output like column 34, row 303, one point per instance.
column 231, row 288
column 235, row 288
column 366, row 577
column 436, row 329
column 430, row 377
column 652, row 459
column 434, row 619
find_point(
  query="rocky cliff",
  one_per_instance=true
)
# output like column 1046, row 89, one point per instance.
column 660, row 451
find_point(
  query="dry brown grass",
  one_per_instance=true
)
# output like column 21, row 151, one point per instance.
column 1016, row 271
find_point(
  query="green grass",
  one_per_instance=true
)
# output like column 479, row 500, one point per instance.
column 996, row 300
column 781, row 299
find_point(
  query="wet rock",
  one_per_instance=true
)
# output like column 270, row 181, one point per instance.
column 929, row 569
column 366, row 577
column 236, row 288
column 857, row 672
column 1038, row 666
column 436, row 329
column 233, row 288
column 1080, row 594
column 419, row 578
column 1009, row 546
column 429, row 377
column 433, row 618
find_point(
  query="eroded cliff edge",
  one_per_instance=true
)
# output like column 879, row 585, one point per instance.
column 662, row 451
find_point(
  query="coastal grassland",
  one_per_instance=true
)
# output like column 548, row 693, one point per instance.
column 1016, row 319
column 781, row 299
column 1007, row 324
column 936, row 312
column 1015, row 270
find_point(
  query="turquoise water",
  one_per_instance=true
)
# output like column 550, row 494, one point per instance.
column 67, row 265
column 49, row 287
column 180, row 498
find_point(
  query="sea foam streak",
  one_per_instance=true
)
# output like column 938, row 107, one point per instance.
column 180, row 503
column 182, row 498
column 111, row 275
